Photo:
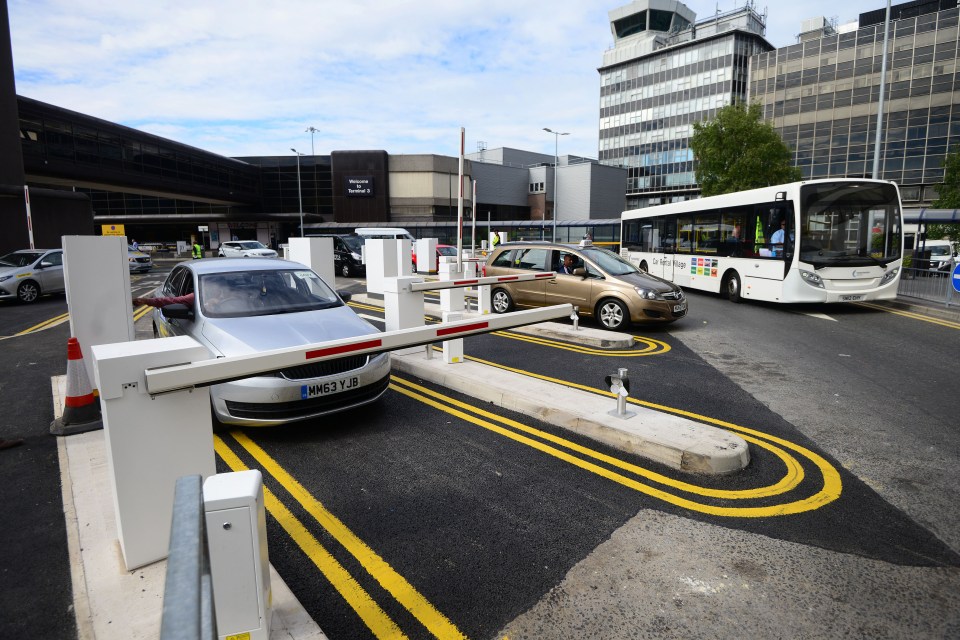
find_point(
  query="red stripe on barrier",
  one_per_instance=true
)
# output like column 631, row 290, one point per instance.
column 470, row 327
column 78, row 401
column 347, row 348
column 505, row 278
column 463, row 282
column 545, row 275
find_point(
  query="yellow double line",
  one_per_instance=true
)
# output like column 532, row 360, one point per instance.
column 46, row 324
column 545, row 443
column 909, row 314
column 376, row 619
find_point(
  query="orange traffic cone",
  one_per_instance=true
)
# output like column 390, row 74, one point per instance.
column 81, row 411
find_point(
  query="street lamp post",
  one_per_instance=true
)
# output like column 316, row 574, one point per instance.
column 311, row 131
column 556, row 166
column 299, row 189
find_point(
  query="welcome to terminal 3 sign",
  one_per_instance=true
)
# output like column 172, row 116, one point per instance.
column 358, row 186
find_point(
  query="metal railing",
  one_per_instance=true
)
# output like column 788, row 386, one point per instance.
column 188, row 612
column 927, row 284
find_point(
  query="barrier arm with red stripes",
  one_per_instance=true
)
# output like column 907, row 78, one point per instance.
column 218, row 370
column 434, row 285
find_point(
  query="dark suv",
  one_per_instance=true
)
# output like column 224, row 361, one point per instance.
column 601, row 284
column 347, row 259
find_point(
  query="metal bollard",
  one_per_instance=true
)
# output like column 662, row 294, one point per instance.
column 619, row 384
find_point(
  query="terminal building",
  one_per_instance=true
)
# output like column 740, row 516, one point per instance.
column 822, row 95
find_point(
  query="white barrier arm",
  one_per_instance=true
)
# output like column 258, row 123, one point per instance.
column 432, row 285
column 208, row 372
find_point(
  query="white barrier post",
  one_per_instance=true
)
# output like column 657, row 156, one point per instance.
column 97, row 280
column 450, row 299
column 402, row 308
column 151, row 440
column 453, row 349
column 316, row 253
column 381, row 259
column 426, row 255
column 404, row 257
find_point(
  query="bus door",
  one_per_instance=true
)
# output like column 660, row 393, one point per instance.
column 665, row 230
column 773, row 232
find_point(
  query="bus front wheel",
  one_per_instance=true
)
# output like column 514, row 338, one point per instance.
column 731, row 287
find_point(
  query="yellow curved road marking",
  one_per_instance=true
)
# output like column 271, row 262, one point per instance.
column 356, row 596
column 790, row 480
column 395, row 584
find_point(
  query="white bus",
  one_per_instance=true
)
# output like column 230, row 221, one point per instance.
column 812, row 241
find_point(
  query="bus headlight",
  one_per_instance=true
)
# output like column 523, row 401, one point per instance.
column 890, row 275
column 647, row 294
column 811, row 278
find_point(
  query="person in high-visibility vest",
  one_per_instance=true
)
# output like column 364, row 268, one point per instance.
column 496, row 239
column 197, row 250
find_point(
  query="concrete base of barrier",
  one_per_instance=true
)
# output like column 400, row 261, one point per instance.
column 111, row 602
column 677, row 442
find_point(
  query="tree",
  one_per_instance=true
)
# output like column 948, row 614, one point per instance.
column 949, row 190
column 737, row 150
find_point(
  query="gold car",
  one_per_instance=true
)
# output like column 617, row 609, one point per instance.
column 600, row 283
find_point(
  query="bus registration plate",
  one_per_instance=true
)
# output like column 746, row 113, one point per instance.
column 328, row 387
column 851, row 298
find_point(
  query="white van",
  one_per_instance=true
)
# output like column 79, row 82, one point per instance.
column 940, row 252
column 386, row 233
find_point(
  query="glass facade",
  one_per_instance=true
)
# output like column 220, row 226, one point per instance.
column 822, row 96
column 648, row 105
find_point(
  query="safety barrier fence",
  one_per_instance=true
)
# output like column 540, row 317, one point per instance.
column 926, row 284
column 188, row 612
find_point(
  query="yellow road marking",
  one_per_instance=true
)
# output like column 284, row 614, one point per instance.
column 791, row 479
column 141, row 311
column 395, row 584
column 909, row 314
column 46, row 324
column 829, row 493
column 356, row 596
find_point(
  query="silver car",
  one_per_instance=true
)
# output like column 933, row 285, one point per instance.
column 30, row 273
column 245, row 249
column 248, row 305
column 138, row 261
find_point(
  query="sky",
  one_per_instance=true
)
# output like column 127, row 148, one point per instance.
column 249, row 78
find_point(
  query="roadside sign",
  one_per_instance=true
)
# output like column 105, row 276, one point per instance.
column 112, row 230
column 955, row 277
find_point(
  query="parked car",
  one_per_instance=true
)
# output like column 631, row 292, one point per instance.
column 138, row 261
column 245, row 249
column 27, row 274
column 247, row 305
column 347, row 254
column 602, row 284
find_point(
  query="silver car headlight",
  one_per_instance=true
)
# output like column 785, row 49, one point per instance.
column 5, row 278
column 811, row 278
column 355, row 256
column 890, row 275
column 647, row 294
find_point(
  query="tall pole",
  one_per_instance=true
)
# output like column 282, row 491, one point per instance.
column 556, row 167
column 883, row 80
column 460, row 210
column 299, row 190
column 473, row 223
column 312, row 130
